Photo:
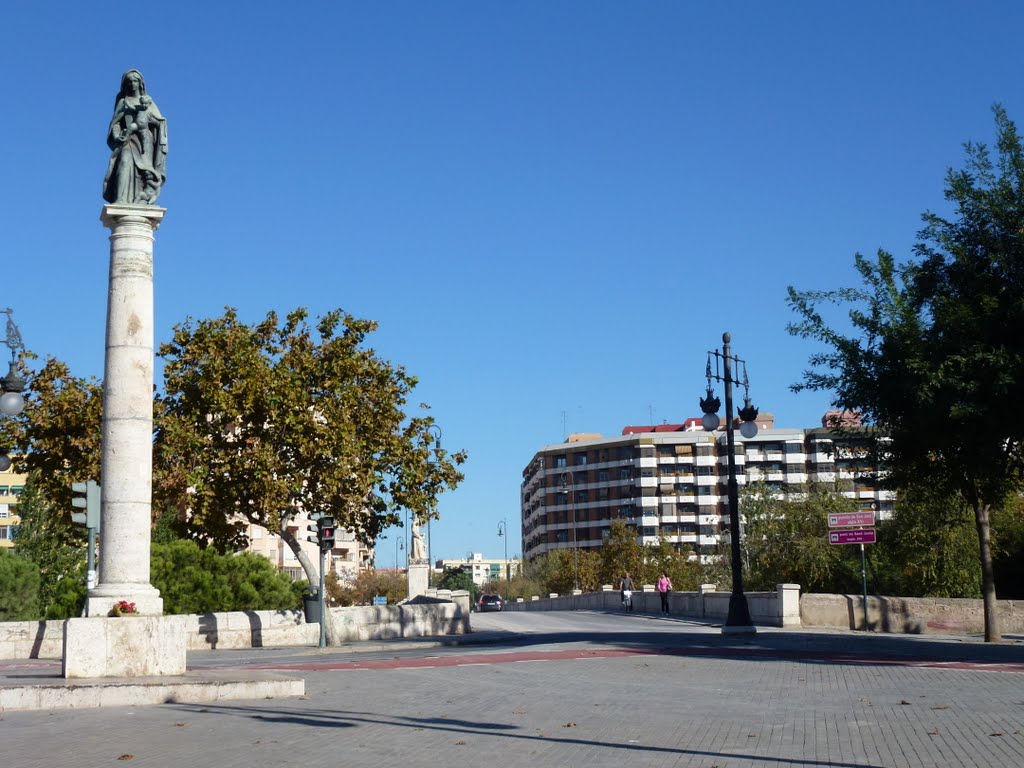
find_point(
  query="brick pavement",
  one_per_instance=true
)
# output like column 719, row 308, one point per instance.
column 728, row 711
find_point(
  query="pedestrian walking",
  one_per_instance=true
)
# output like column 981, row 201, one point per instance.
column 626, row 591
column 664, row 588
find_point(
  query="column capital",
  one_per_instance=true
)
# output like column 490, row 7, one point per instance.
column 117, row 213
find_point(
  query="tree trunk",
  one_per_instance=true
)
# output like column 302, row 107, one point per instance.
column 988, row 581
column 312, row 571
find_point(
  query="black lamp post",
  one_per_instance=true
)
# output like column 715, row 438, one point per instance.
column 571, row 485
column 12, row 401
column 436, row 430
column 503, row 532
column 738, row 621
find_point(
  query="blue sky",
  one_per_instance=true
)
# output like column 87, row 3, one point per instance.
column 552, row 208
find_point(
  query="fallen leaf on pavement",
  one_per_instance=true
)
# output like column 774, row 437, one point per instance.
column 126, row 757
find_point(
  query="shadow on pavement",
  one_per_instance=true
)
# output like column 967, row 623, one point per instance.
column 354, row 718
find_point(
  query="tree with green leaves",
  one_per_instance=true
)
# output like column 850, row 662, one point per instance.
column 456, row 578
column 935, row 357
column 785, row 540
column 928, row 548
column 58, row 550
column 259, row 423
column 622, row 552
column 685, row 573
column 57, row 438
column 19, row 588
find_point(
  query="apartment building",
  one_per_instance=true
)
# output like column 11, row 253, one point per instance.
column 347, row 559
column 670, row 480
column 483, row 570
column 11, row 485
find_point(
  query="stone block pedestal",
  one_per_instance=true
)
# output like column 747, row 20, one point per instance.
column 125, row 646
column 419, row 579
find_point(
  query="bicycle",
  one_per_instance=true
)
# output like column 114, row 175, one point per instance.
column 627, row 600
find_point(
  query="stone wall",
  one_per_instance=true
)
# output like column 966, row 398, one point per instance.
column 447, row 615
column 908, row 615
column 778, row 609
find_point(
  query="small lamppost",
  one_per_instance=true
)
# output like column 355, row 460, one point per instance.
column 436, row 430
column 738, row 621
column 571, row 485
column 503, row 533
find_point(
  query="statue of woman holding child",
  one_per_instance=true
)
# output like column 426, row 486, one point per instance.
column 138, row 141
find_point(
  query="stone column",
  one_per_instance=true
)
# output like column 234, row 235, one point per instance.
column 127, row 453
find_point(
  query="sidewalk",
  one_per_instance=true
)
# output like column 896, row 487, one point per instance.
column 37, row 684
column 679, row 695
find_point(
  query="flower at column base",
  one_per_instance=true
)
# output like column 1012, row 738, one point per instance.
column 123, row 608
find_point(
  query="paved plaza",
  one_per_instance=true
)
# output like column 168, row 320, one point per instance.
column 578, row 689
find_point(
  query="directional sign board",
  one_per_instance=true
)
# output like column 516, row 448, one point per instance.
column 851, row 519
column 855, row 536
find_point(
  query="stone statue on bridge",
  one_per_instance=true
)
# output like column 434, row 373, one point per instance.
column 417, row 552
column 137, row 138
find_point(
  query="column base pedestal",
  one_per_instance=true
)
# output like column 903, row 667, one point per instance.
column 419, row 579
column 125, row 646
column 146, row 598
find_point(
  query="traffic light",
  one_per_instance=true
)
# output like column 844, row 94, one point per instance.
column 313, row 530
column 325, row 534
column 88, row 497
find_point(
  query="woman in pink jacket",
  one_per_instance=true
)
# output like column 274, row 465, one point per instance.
column 664, row 587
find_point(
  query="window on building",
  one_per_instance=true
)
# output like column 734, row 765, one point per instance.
column 704, row 490
column 602, row 494
column 581, row 497
column 624, row 452
column 4, row 536
column 625, row 474
column 705, row 471
column 559, row 461
column 581, row 459
column 602, row 475
column 4, row 490
column 17, row 489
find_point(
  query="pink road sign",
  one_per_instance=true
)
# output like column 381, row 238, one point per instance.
column 854, row 536
column 850, row 519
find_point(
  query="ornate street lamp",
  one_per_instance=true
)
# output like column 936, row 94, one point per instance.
column 12, row 401
column 571, row 485
column 503, row 533
column 738, row 620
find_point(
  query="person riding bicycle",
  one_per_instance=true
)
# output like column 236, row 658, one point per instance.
column 626, row 591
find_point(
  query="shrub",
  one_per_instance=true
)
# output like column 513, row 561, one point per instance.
column 194, row 580
column 19, row 588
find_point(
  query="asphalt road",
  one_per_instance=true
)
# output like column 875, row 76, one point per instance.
column 580, row 689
